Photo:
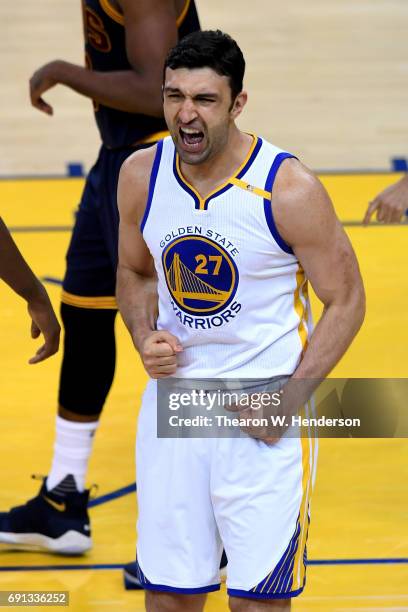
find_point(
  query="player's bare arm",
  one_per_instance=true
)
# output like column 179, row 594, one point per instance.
column 391, row 204
column 306, row 220
column 19, row 277
column 150, row 29
column 136, row 277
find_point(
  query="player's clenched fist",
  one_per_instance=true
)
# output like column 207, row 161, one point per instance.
column 159, row 354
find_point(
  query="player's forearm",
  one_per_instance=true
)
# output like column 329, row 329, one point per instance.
column 124, row 90
column 15, row 271
column 137, row 302
column 333, row 335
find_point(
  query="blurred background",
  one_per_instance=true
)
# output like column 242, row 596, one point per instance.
column 327, row 80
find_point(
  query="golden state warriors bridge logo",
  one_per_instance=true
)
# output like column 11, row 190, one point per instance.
column 201, row 275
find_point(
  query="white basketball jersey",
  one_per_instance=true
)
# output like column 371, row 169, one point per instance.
column 229, row 287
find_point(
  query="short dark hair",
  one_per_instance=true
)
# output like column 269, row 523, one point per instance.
column 210, row 49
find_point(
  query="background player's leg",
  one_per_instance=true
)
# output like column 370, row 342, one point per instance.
column 240, row 604
column 88, row 314
column 173, row 602
column 87, row 372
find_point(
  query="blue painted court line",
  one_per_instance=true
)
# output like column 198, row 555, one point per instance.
column 114, row 495
column 399, row 164
column 355, row 171
column 390, row 561
column 37, row 177
column 68, row 228
column 52, row 280
column 76, row 167
column 372, row 224
column 40, row 228
column 44, row 568
column 118, row 566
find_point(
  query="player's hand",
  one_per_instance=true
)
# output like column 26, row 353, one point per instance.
column 391, row 204
column 270, row 434
column 44, row 322
column 42, row 80
column 254, row 418
column 159, row 354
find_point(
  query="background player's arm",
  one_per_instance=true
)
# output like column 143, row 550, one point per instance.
column 15, row 271
column 306, row 220
column 136, row 286
column 150, row 29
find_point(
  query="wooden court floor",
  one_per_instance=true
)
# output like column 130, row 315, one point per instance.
column 358, row 544
column 326, row 80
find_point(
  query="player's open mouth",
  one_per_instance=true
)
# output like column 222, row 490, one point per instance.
column 191, row 138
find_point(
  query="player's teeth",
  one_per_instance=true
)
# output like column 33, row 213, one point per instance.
column 189, row 131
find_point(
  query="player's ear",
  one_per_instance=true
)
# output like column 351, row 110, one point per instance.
column 238, row 104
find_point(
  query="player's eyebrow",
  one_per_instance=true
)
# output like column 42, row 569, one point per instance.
column 201, row 94
column 205, row 94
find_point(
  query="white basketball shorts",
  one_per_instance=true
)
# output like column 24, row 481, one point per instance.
column 198, row 496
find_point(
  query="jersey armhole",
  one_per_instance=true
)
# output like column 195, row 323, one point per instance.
column 268, row 202
column 152, row 183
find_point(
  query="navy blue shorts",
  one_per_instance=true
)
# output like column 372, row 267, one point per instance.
column 92, row 255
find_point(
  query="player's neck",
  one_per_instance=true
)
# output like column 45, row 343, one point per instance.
column 210, row 174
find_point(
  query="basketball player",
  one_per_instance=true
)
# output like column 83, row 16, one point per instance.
column 15, row 271
column 125, row 43
column 222, row 230
column 391, row 204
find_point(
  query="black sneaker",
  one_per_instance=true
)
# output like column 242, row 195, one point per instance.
column 131, row 574
column 54, row 521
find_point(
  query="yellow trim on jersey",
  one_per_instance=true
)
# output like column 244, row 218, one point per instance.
column 183, row 13
column 251, row 188
column 202, row 201
column 305, row 293
column 307, row 468
column 80, row 301
column 308, row 443
column 152, row 138
column 112, row 11
column 300, row 308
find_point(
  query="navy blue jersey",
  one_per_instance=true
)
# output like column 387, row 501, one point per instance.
column 105, row 51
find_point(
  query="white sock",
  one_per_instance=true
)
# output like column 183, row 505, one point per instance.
column 72, row 451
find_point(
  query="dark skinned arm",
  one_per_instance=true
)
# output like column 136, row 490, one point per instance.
column 150, row 30
column 16, row 273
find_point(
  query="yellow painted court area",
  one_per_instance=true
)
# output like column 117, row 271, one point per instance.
column 359, row 509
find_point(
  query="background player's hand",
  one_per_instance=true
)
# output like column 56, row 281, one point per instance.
column 159, row 354
column 44, row 322
column 390, row 204
column 42, row 80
